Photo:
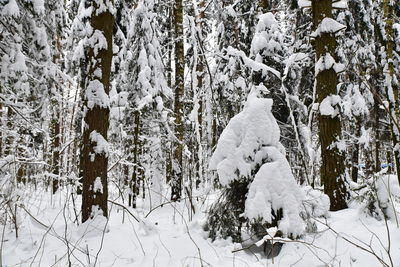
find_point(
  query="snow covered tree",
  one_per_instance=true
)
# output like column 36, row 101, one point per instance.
column 391, row 82
column 27, row 76
column 94, row 153
column 143, row 87
column 56, row 18
column 235, row 22
column 258, row 188
column 198, row 94
column 271, row 46
column 356, row 50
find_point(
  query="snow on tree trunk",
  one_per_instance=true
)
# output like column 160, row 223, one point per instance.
column 330, row 130
column 97, row 108
column 259, row 190
column 177, row 167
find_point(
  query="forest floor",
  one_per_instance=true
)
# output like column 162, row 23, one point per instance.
column 47, row 236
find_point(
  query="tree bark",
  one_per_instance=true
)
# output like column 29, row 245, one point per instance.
column 136, row 174
column 332, row 167
column 94, row 164
column 169, row 152
column 177, row 168
column 199, row 161
column 55, row 123
column 377, row 136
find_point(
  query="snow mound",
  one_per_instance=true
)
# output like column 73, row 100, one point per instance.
column 94, row 227
column 316, row 203
column 388, row 190
column 328, row 25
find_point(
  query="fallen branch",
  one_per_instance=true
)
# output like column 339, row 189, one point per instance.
column 125, row 208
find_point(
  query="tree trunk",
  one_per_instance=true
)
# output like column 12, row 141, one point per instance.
column 377, row 140
column 55, row 124
column 136, row 174
column 9, row 139
column 169, row 153
column 94, row 154
column 200, row 75
column 332, row 167
column 177, row 168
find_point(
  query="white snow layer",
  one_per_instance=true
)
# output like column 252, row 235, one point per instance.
column 327, row 62
column 340, row 4
column 10, row 9
column 328, row 25
column 328, row 106
column 250, row 138
column 19, row 63
column 97, row 185
column 96, row 95
column 102, row 145
column 38, row 6
column 304, row 3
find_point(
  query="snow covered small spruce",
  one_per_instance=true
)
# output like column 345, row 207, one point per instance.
column 316, row 203
column 274, row 188
column 250, row 157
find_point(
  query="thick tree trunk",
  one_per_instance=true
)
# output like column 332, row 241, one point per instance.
column 94, row 158
column 177, row 168
column 332, row 167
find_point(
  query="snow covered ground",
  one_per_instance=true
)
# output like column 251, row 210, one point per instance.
column 167, row 238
